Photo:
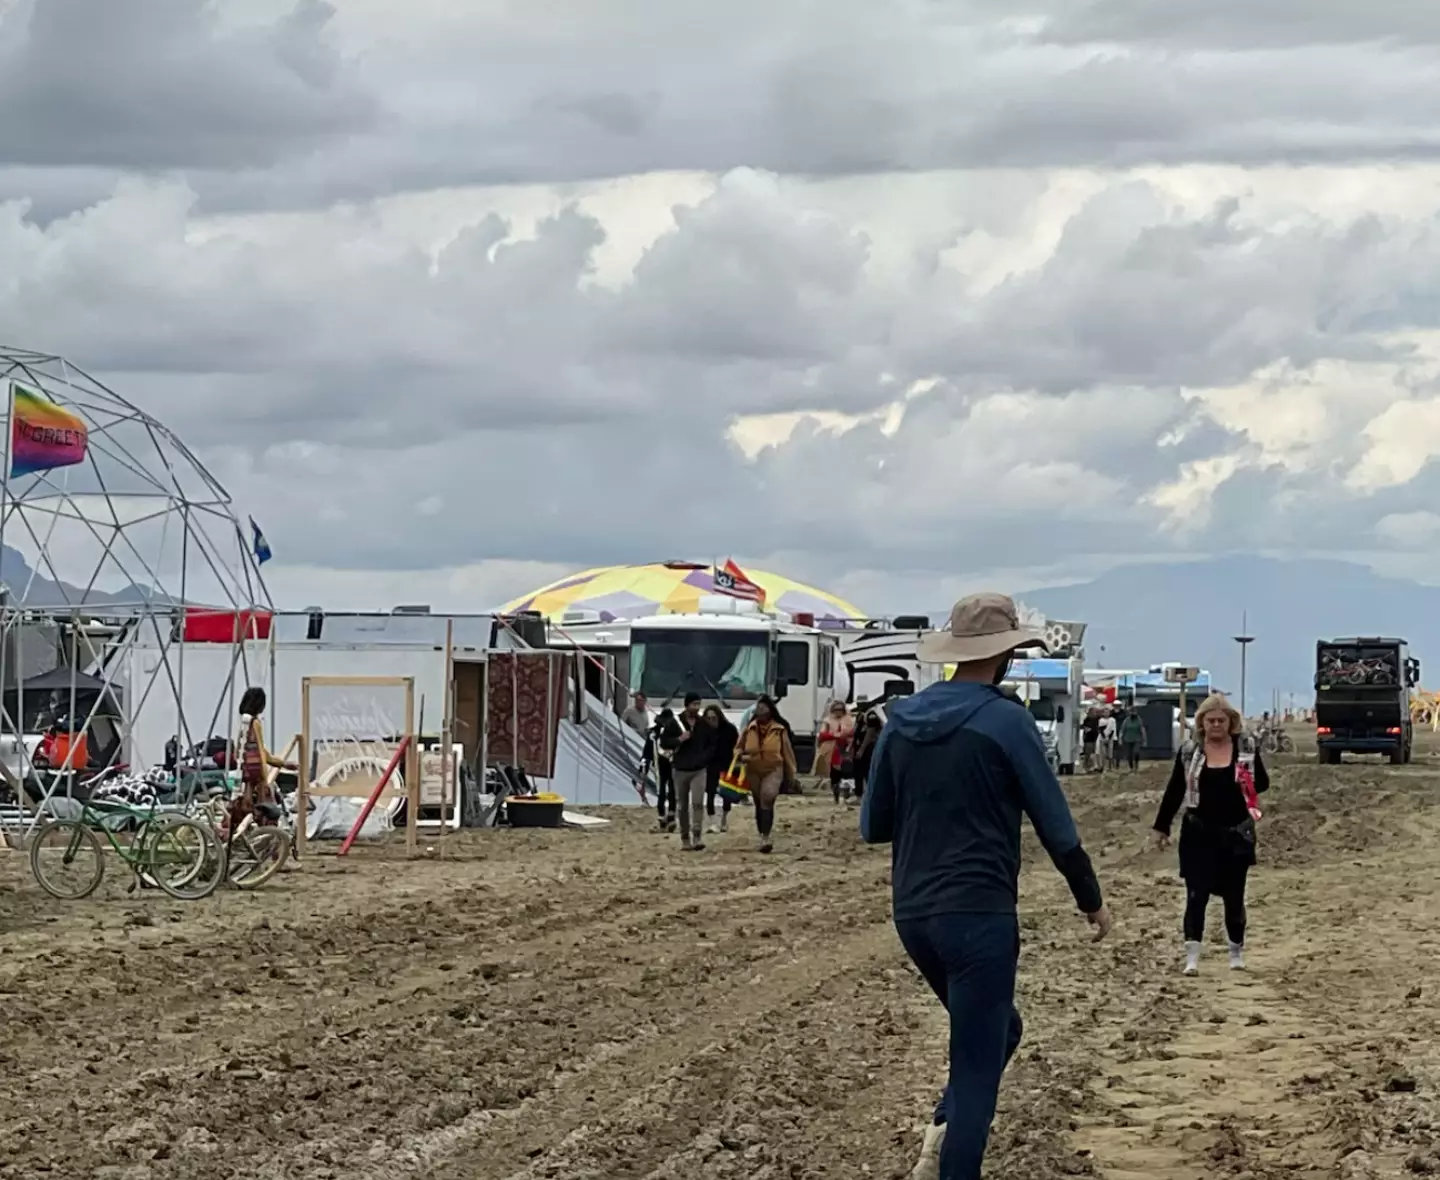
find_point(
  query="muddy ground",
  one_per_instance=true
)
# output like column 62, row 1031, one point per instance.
column 584, row 1005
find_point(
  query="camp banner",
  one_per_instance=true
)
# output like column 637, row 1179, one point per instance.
column 42, row 434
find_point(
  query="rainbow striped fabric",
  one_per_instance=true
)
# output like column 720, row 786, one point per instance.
column 42, row 434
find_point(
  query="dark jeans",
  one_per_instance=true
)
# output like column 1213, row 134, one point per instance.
column 1132, row 755
column 712, row 788
column 969, row 961
column 665, row 775
column 1233, row 895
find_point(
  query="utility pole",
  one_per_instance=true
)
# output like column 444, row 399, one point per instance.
column 1244, row 639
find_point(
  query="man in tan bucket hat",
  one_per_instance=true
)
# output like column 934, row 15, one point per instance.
column 956, row 767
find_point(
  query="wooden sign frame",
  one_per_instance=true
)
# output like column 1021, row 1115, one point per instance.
column 306, row 788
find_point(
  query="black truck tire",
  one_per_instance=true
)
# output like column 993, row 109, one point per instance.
column 1397, row 756
column 1328, row 757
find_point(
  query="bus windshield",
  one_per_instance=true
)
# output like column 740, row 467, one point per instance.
column 1352, row 666
column 723, row 665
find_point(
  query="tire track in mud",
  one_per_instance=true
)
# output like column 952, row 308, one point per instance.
column 325, row 1040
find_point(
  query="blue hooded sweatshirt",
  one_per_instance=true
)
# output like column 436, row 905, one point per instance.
column 955, row 768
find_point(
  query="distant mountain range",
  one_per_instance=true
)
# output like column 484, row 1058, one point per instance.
column 1146, row 614
column 16, row 571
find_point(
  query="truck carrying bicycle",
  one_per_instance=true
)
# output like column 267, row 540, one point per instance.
column 1362, row 698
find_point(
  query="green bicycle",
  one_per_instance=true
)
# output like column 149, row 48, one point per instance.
column 179, row 855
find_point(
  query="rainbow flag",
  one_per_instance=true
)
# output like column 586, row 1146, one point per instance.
column 42, row 435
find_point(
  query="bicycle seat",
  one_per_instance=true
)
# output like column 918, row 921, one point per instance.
column 270, row 811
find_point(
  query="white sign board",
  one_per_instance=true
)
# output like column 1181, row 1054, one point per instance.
column 1175, row 675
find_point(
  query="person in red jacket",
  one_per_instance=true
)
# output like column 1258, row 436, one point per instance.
column 838, row 732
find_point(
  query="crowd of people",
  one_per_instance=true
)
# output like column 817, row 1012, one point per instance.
column 691, row 751
column 1110, row 734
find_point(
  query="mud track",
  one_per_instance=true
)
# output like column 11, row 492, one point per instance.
column 599, row 1005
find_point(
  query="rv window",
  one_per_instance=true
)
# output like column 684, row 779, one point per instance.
column 827, row 666
column 725, row 665
column 792, row 663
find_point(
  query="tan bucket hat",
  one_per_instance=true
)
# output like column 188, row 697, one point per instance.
column 982, row 626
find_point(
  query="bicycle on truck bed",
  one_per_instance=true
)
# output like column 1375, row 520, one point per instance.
column 161, row 847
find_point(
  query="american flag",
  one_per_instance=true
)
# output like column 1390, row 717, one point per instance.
column 730, row 579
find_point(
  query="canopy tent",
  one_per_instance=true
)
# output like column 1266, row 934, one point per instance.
column 674, row 587
column 62, row 679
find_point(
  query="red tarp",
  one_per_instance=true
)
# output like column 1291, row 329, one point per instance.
column 224, row 626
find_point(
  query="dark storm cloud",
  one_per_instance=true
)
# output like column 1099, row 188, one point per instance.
column 313, row 109
column 156, row 84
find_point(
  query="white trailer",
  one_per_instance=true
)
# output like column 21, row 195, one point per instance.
column 877, row 654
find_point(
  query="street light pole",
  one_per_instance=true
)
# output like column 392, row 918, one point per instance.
column 1244, row 639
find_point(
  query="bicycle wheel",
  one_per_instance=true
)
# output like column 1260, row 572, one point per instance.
column 175, row 861
column 182, row 856
column 255, row 855
column 67, row 859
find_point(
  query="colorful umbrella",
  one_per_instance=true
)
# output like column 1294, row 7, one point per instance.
column 672, row 587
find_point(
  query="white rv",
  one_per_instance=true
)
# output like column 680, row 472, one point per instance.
column 1053, row 691
column 729, row 651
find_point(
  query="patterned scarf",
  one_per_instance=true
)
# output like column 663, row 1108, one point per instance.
column 1244, row 775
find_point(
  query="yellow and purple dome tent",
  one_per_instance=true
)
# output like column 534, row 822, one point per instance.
column 674, row 587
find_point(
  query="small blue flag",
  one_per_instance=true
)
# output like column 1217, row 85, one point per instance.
column 258, row 544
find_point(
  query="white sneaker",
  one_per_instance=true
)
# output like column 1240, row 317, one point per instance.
column 725, row 823
column 928, row 1166
column 1192, row 958
column 1237, row 956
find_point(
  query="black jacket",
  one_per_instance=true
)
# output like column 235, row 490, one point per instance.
column 723, row 751
column 694, row 753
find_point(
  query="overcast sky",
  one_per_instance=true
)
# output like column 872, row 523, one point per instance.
column 903, row 297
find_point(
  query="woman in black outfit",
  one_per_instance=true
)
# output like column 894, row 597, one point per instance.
column 1215, row 782
column 869, row 734
column 724, row 749
column 667, row 737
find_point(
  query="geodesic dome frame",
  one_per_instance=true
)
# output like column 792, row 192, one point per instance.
column 130, row 528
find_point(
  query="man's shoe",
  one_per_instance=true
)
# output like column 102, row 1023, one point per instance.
column 928, row 1166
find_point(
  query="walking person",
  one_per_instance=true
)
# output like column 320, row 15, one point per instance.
column 666, row 737
column 1090, row 734
column 836, row 733
column 694, row 747
column 956, row 767
column 769, row 759
column 1108, row 730
column 1215, row 784
column 1132, row 737
column 869, row 734
column 256, row 761
column 637, row 717
column 722, row 753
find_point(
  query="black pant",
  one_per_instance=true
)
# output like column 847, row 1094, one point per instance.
column 836, row 774
column 665, row 773
column 969, row 961
column 1132, row 755
column 1234, row 898
column 712, row 788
